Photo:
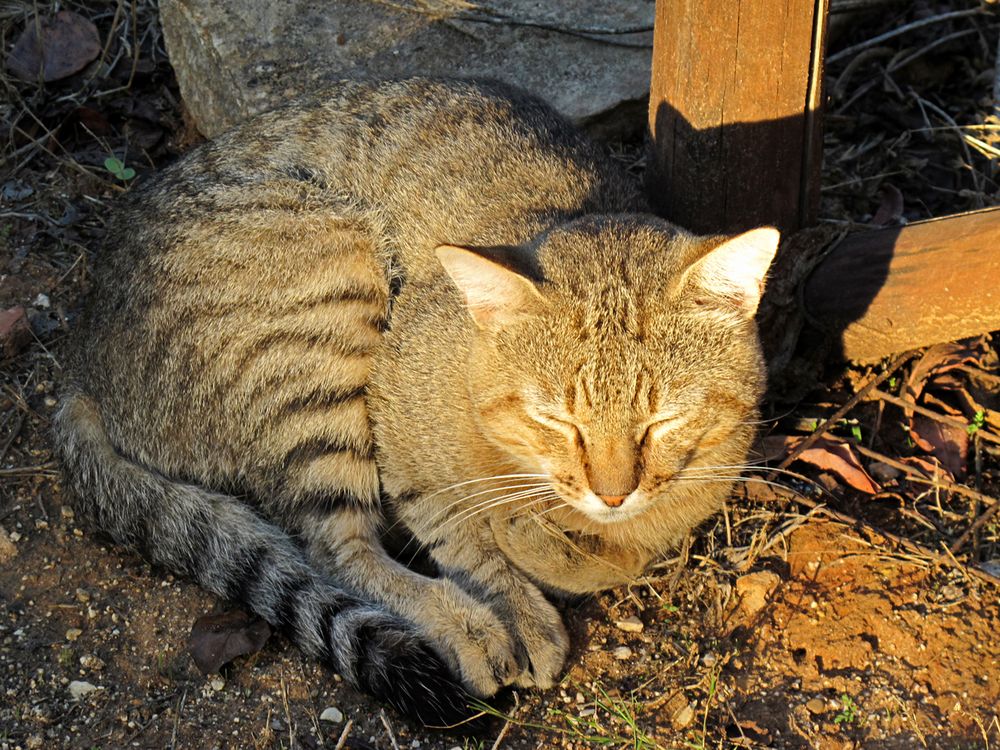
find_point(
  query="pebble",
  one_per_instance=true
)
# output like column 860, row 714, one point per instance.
column 622, row 653
column 684, row 717
column 43, row 301
column 73, row 633
column 588, row 711
column 754, row 590
column 630, row 624
column 816, row 706
column 7, row 549
column 89, row 661
column 217, row 684
column 82, row 596
column 80, row 688
column 709, row 660
column 332, row 714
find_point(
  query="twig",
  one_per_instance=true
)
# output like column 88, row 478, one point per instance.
column 388, row 728
column 949, row 120
column 343, row 735
column 483, row 14
column 918, row 476
column 874, row 41
column 783, row 494
column 837, row 415
column 976, row 526
column 503, row 733
column 951, row 421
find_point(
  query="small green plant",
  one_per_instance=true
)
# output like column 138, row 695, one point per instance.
column 66, row 657
column 670, row 608
column 850, row 711
column 856, row 432
column 892, row 383
column 118, row 169
column 976, row 423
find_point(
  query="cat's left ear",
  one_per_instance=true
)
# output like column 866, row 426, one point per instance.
column 733, row 272
column 494, row 294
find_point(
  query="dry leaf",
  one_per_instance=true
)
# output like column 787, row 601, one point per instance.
column 947, row 443
column 940, row 359
column 890, row 209
column 217, row 639
column 54, row 47
column 15, row 333
column 827, row 454
column 928, row 466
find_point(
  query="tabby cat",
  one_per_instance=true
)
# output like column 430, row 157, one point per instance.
column 433, row 302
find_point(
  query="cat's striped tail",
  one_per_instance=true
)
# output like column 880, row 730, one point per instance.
column 232, row 552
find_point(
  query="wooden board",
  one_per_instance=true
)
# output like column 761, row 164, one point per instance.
column 734, row 113
column 890, row 290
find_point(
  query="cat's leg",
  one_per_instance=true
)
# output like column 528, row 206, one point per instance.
column 470, row 556
column 465, row 631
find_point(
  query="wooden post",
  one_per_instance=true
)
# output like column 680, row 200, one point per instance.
column 890, row 290
column 734, row 113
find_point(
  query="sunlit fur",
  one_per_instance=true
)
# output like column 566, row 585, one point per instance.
column 290, row 350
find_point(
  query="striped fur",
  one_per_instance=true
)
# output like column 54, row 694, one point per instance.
column 408, row 292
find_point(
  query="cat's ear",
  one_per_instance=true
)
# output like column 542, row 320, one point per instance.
column 494, row 294
column 733, row 272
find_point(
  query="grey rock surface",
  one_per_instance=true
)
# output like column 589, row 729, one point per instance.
column 235, row 58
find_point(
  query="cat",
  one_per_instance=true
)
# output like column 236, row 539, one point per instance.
column 430, row 301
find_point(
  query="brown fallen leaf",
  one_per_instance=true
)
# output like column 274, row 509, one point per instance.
column 947, row 443
column 941, row 359
column 890, row 209
column 827, row 454
column 54, row 48
column 928, row 466
column 217, row 639
column 15, row 332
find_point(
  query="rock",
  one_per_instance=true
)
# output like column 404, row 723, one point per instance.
column 7, row 549
column 73, row 633
column 683, row 717
column 218, row 684
column 15, row 332
column 630, row 624
column 622, row 653
column 89, row 661
column 754, row 590
column 710, row 659
column 816, row 706
column 80, row 688
column 332, row 714
column 234, row 58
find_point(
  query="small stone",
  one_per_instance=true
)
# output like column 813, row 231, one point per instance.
column 588, row 711
column 579, row 698
column 73, row 633
column 89, row 661
column 754, row 589
column 67, row 512
column 622, row 653
column 34, row 742
column 82, row 596
column 709, row 660
column 684, row 717
column 7, row 549
column 217, row 684
column 16, row 536
column 80, row 688
column 630, row 624
column 332, row 714
column 816, row 706
column 43, row 301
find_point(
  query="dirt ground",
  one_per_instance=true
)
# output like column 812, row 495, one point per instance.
column 855, row 606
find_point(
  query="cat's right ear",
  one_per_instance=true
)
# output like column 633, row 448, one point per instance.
column 494, row 294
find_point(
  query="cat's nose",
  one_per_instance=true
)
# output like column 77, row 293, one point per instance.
column 612, row 501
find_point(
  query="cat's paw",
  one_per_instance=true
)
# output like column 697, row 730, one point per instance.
column 541, row 633
column 472, row 640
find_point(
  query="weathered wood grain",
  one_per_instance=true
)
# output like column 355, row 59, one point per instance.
column 889, row 290
column 734, row 112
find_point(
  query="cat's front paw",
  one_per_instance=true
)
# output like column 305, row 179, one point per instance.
column 540, row 632
column 472, row 640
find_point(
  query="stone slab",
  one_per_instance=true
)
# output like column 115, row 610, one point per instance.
column 234, row 58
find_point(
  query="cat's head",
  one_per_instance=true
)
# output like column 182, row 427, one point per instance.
column 618, row 355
